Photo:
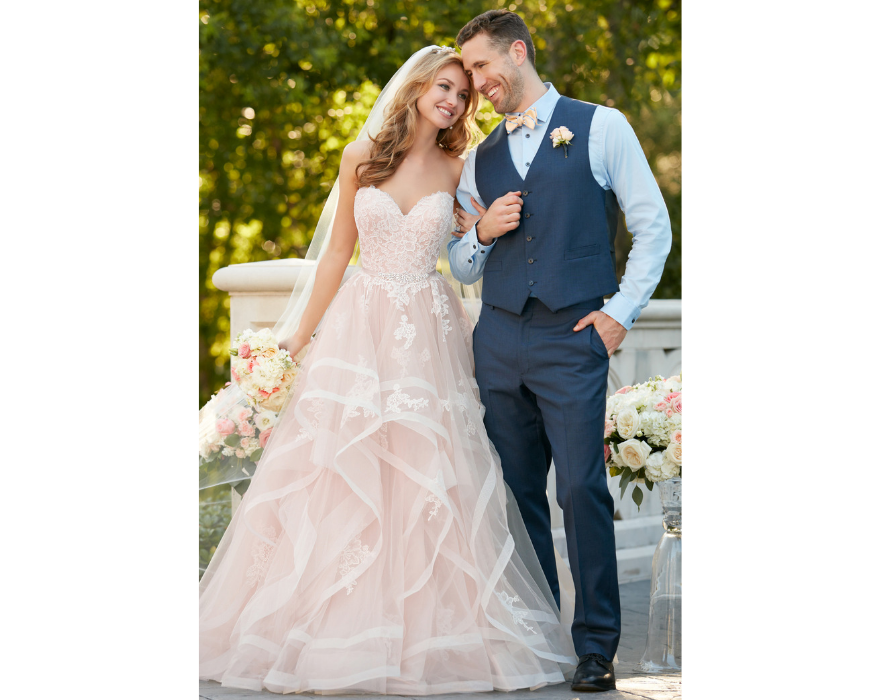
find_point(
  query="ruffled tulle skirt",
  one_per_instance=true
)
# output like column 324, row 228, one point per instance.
column 372, row 551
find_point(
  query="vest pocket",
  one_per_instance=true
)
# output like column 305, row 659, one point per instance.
column 492, row 265
column 583, row 252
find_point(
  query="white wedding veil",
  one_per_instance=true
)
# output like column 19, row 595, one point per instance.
column 232, row 398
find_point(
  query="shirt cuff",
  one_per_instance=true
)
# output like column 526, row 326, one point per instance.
column 473, row 245
column 622, row 310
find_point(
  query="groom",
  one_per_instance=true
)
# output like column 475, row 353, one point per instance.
column 545, row 250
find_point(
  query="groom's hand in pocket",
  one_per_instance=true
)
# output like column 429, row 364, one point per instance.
column 610, row 331
column 501, row 216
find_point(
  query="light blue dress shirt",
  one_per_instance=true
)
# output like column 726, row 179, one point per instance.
column 619, row 164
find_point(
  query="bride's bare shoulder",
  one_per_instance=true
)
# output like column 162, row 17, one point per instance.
column 356, row 152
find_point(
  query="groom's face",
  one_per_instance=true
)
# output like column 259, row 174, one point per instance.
column 496, row 76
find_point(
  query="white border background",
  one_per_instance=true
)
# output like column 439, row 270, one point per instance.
column 780, row 268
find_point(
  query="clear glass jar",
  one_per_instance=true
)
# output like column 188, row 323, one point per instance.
column 663, row 647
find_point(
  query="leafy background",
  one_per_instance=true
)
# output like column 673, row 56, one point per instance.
column 284, row 85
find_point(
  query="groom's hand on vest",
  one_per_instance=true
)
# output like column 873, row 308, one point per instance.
column 610, row 331
column 501, row 216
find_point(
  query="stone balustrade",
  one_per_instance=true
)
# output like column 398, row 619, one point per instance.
column 259, row 293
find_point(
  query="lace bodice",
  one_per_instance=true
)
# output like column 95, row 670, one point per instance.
column 392, row 242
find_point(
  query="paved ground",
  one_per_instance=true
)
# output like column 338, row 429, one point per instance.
column 631, row 683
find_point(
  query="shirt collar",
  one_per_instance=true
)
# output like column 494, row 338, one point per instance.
column 545, row 104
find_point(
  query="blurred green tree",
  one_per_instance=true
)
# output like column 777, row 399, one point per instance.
column 285, row 84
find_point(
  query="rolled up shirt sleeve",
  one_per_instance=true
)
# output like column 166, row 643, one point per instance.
column 647, row 219
column 467, row 256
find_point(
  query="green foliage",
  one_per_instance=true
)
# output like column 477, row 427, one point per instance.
column 285, row 84
column 214, row 517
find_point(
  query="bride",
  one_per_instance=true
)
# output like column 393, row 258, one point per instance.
column 373, row 550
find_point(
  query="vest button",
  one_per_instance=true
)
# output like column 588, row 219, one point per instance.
column 528, row 215
column 528, row 238
column 531, row 261
column 525, row 193
column 531, row 283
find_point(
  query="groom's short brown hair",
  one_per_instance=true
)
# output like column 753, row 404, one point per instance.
column 503, row 27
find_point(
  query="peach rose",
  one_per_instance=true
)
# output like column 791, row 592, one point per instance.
column 676, row 436
column 225, row 427
column 673, row 453
column 275, row 401
column 623, row 390
column 628, row 423
column 269, row 353
column 633, row 453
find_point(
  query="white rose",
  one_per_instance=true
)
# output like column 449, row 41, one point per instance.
column 634, row 453
column 265, row 419
column 673, row 453
column 654, row 466
column 628, row 423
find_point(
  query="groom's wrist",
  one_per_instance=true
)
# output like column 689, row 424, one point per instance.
column 483, row 240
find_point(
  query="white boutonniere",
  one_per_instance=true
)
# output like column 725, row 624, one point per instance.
column 562, row 136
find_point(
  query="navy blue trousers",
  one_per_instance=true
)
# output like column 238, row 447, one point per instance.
column 543, row 386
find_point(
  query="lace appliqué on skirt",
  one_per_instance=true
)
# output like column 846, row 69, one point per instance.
column 352, row 556
column 518, row 614
column 262, row 553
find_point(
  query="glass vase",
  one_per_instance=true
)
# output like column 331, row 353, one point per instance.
column 663, row 647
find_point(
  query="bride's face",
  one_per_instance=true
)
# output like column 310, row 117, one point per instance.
column 447, row 97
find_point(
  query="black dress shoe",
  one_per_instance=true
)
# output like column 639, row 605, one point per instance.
column 594, row 674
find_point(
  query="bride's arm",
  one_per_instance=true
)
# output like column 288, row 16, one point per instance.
column 335, row 260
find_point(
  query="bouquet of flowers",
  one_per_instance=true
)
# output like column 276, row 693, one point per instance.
column 236, row 423
column 262, row 370
column 643, row 434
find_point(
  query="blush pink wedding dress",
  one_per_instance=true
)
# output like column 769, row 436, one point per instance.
column 372, row 552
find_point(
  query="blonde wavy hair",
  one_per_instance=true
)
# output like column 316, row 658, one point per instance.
column 398, row 131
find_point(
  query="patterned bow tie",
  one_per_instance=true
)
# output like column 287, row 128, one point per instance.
column 529, row 118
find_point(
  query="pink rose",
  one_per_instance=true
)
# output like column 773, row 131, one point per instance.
column 607, row 452
column 660, row 407
column 623, row 390
column 676, row 436
column 246, row 429
column 264, row 437
column 675, row 402
column 235, row 375
column 264, row 394
column 669, row 411
column 251, row 365
column 225, row 427
column 244, row 414
column 244, row 350
column 609, row 427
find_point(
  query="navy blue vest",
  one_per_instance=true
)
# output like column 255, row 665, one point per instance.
column 562, row 252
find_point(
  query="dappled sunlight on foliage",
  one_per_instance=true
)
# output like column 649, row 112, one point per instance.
column 284, row 85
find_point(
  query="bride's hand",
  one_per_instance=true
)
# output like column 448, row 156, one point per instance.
column 294, row 344
column 464, row 221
